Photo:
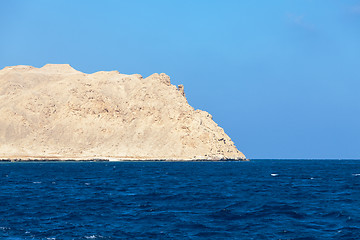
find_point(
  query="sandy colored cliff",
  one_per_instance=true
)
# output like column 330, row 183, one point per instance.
column 57, row 112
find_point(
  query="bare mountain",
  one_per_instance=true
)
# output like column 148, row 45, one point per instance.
column 57, row 112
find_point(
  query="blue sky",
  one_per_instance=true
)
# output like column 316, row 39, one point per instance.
column 281, row 77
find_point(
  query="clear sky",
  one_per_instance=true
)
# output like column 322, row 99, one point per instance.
column 281, row 77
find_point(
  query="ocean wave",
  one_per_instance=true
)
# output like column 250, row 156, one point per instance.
column 180, row 201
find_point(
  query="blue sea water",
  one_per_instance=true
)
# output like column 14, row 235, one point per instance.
column 261, row 199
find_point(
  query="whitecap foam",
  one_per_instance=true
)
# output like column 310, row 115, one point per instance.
column 274, row 174
column 90, row 237
column 356, row 174
column 37, row 182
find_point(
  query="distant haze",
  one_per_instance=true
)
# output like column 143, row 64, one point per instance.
column 282, row 78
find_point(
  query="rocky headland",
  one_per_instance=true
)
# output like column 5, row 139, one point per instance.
column 58, row 113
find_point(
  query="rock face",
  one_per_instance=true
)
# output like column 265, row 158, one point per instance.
column 57, row 112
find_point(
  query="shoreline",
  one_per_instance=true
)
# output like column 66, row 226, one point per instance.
column 42, row 159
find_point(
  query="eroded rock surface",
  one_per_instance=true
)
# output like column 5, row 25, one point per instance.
column 57, row 112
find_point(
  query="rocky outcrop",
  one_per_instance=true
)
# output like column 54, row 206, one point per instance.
column 181, row 89
column 57, row 112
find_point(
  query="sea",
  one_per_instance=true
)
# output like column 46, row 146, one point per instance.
column 260, row 199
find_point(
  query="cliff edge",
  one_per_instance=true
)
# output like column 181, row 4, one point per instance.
column 57, row 112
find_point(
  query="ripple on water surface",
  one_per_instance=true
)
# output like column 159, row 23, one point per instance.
column 261, row 199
